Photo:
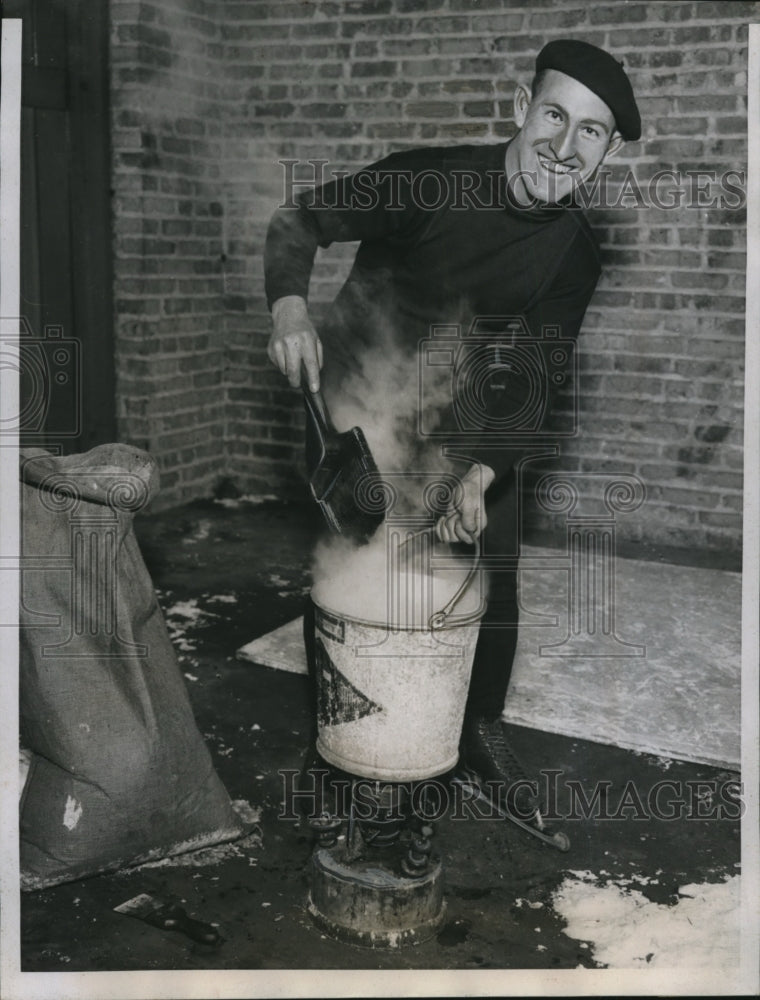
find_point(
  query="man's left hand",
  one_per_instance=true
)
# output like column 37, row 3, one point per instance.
column 466, row 518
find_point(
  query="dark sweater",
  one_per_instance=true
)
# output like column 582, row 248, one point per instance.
column 442, row 242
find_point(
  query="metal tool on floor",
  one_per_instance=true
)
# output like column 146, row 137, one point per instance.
column 169, row 917
column 534, row 825
column 343, row 476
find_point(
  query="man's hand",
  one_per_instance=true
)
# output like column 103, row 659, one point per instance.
column 466, row 518
column 294, row 341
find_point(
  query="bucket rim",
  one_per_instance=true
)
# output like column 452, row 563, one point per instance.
column 369, row 623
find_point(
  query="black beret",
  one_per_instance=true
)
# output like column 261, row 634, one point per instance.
column 601, row 73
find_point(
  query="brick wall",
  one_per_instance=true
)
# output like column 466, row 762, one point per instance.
column 167, row 119
column 350, row 80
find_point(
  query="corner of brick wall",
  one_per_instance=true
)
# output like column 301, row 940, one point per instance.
column 167, row 134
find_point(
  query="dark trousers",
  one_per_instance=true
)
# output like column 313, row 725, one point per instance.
column 497, row 639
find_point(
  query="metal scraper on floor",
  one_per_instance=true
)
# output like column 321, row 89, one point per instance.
column 168, row 917
column 343, row 476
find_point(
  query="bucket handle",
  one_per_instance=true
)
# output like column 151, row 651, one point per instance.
column 439, row 619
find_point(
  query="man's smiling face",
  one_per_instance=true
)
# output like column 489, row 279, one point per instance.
column 566, row 132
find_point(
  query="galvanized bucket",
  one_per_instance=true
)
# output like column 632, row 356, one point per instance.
column 392, row 692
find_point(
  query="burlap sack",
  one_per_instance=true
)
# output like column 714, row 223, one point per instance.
column 119, row 772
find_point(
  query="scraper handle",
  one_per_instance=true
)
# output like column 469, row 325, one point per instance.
column 174, row 918
column 317, row 406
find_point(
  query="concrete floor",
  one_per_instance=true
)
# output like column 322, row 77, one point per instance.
column 243, row 568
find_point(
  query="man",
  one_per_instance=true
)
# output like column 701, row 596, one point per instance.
column 450, row 236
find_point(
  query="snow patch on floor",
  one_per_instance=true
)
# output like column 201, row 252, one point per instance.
column 200, row 533
column 184, row 616
column 187, row 610
column 628, row 931
column 252, row 499
column 247, row 812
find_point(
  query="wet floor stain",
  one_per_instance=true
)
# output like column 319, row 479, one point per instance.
column 469, row 892
column 453, row 933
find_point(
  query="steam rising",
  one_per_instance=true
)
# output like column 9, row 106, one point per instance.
column 394, row 579
column 385, row 580
column 385, row 398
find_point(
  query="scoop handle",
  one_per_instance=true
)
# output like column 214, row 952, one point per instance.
column 317, row 406
column 174, row 918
